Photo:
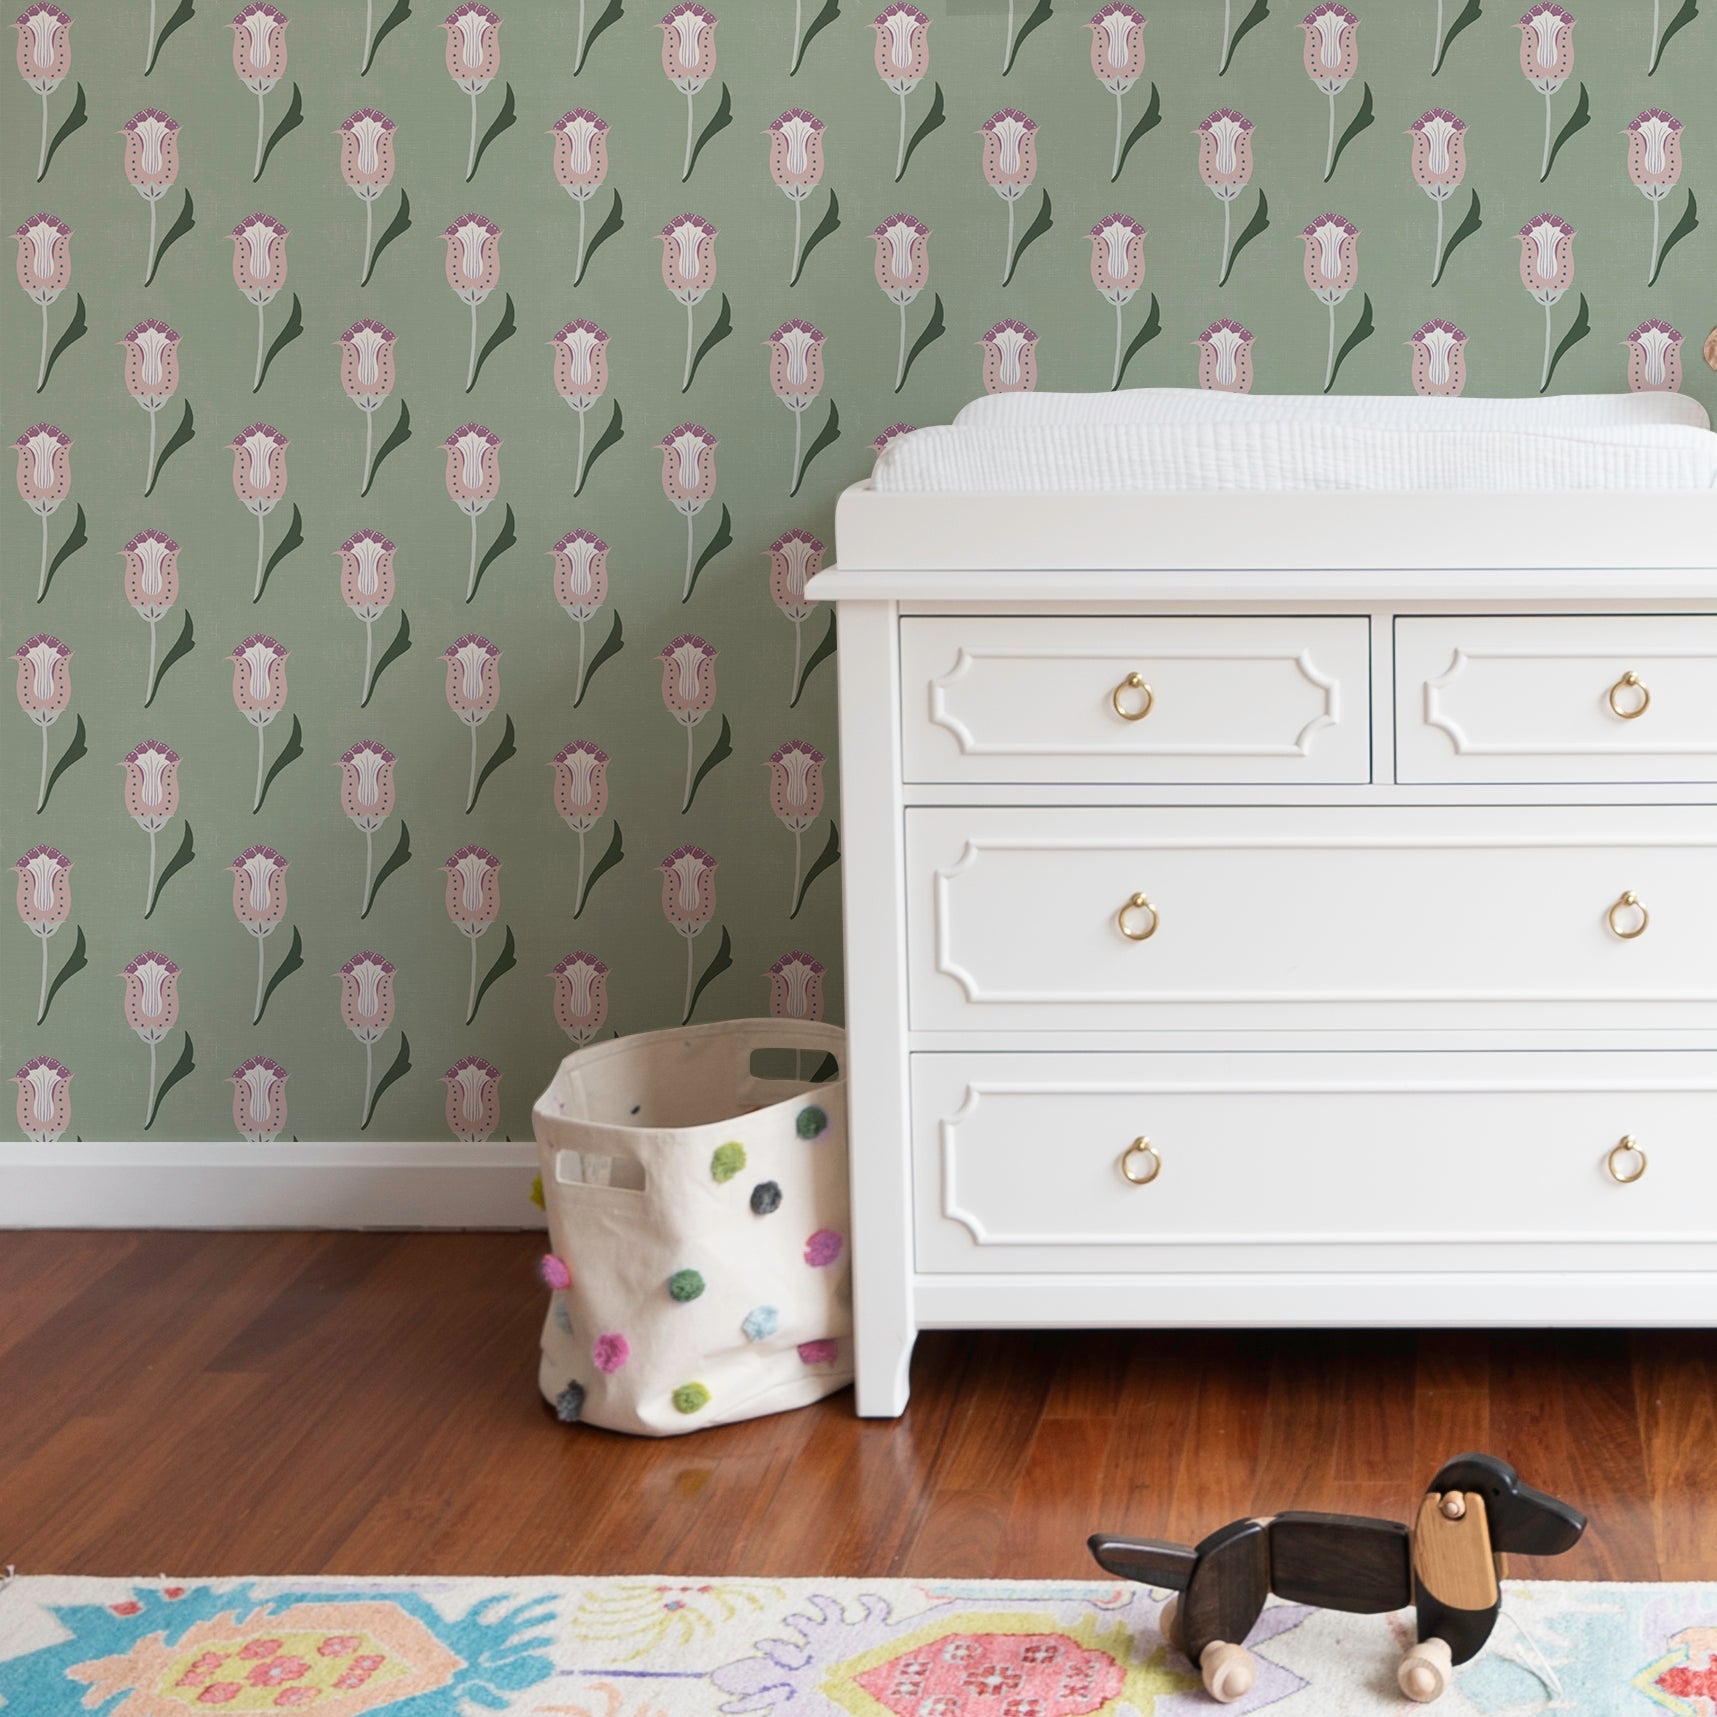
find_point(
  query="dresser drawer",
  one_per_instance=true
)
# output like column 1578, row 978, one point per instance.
column 1289, row 917
column 1109, row 699
column 1589, row 697
column 1020, row 1163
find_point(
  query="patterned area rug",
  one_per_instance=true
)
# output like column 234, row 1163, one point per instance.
column 796, row 1648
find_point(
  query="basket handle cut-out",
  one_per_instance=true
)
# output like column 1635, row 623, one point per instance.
column 799, row 1064
column 580, row 1168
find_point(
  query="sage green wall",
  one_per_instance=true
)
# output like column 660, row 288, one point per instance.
column 623, row 501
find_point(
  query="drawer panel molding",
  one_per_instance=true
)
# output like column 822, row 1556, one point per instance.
column 1183, row 699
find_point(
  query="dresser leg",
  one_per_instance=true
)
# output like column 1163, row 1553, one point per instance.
column 882, row 1365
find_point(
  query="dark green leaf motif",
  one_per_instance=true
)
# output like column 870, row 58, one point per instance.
column 1363, row 329
column 401, row 855
column 1040, row 15
column 186, row 853
column 186, row 12
column 293, row 539
column 399, row 14
column 612, row 646
column 1152, row 326
column 1470, row 224
column 73, row 753
column 721, row 538
column 503, row 753
column 1041, row 222
column 830, row 12
column 76, row 328
column 719, row 121
column 612, row 14
column 1578, row 329
column 827, row 436
column 74, row 964
column 182, row 1069
column 1259, row 222
column 397, row 437
column 612, row 222
column 502, row 121
column 292, row 328
column 718, row 754
column 1470, row 14
column 615, row 853
column 926, row 125
column 1260, row 11
column 818, row 656
column 186, row 432
column 182, row 647
column 401, row 1066
column 400, row 223
column 290, row 752
column 719, row 331
column 289, row 122
column 73, row 121
column 293, row 961
column 505, row 538
column 615, row 431
column 1578, row 120
column 401, row 643
column 76, row 538
column 505, row 329
column 722, row 961
column 507, row 960
column 829, row 856
column 1360, row 121
column 1148, row 121
column 1688, row 221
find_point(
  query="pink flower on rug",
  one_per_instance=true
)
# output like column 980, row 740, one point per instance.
column 610, row 1352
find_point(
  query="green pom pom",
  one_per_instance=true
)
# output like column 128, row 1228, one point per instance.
column 728, row 1160
column 689, row 1397
column 685, row 1285
column 812, row 1123
column 537, row 1192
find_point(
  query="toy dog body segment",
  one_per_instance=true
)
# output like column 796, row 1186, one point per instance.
column 1448, row 1565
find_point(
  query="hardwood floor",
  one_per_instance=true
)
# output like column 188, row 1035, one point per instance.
column 366, row 1403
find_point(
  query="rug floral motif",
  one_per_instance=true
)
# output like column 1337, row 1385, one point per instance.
column 534, row 1647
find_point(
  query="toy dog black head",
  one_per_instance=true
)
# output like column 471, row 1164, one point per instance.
column 1523, row 1521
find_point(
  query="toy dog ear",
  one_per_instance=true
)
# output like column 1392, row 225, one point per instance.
column 1523, row 1521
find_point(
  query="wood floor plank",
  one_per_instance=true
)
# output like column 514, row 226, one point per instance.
column 367, row 1403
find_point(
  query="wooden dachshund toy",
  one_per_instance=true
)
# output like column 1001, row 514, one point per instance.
column 1448, row 1564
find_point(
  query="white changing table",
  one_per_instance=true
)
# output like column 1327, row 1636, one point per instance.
column 1278, row 909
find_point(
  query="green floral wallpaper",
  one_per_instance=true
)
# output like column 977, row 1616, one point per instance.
column 424, row 428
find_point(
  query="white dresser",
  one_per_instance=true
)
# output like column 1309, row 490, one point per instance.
column 1247, row 928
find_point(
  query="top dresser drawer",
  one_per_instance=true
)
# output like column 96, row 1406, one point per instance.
column 1587, row 697
column 1122, row 699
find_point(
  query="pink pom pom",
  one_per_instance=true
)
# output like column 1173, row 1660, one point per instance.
column 555, row 1273
column 817, row 1352
column 611, row 1352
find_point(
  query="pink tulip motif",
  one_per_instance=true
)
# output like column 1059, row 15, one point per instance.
column 473, row 479
column 473, row 901
column 259, row 58
column 796, row 987
column 1439, row 360
column 473, row 690
column 1117, row 269
column 688, row 479
column 1654, row 357
column 259, row 270
column 580, row 796
column 367, row 377
column 1010, row 165
column 902, row 59
column 1331, row 268
column 1332, row 57
column 580, row 996
column 259, row 901
column 151, row 797
column 44, row 58
column 366, row 586
column 366, row 164
column 892, row 433
column 1225, row 166
column 259, row 690
column 44, row 479
column 688, row 900
column 44, row 690
column 580, row 377
column 151, row 375
column 151, row 586
column 1546, row 59
column 473, row 270
column 1117, row 60
column 44, row 900
column 688, row 60
column 1439, row 165
column 796, row 798
column 902, row 270
column 581, row 165
column 473, row 58
column 473, row 1098
column 259, row 480
column 794, row 557
column 366, row 1006
column 1654, row 165
column 580, row 587
column 366, row 796
column 1010, row 358
column 688, row 690
column 796, row 166
column 151, row 1008
column 688, row 271
column 151, row 165
column 259, row 1099
column 1546, row 269
column 44, row 269
column 44, row 1099
column 796, row 378
column 1225, row 357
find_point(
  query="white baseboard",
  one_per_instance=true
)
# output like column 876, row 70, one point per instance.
column 217, row 1184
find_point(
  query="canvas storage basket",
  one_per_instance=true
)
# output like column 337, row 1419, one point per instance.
column 700, row 1269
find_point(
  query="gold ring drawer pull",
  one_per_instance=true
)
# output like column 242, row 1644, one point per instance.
column 1125, row 919
column 1629, row 902
column 1152, row 1164
column 1628, row 1146
column 1630, row 681
column 1133, row 683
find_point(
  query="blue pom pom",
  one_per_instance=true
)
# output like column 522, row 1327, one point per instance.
column 761, row 1323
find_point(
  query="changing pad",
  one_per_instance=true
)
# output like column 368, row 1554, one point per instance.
column 1180, row 439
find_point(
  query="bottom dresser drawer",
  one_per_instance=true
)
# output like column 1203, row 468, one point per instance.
column 1474, row 1161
